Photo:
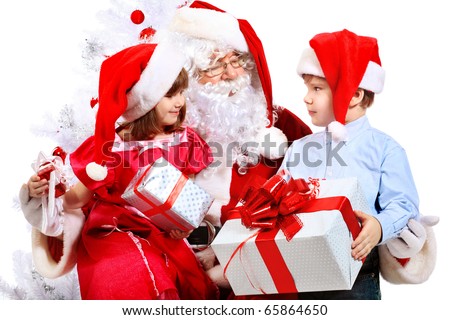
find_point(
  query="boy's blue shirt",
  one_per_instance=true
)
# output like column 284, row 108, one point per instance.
column 378, row 161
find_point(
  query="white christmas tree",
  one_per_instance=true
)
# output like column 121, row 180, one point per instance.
column 124, row 23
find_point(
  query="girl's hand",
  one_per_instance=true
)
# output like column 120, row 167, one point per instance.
column 37, row 187
column 369, row 236
column 178, row 234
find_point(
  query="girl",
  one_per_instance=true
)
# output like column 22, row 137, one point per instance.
column 121, row 254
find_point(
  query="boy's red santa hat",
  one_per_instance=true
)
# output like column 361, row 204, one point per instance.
column 348, row 62
column 131, row 83
column 205, row 21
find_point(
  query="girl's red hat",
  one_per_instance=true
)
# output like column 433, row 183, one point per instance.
column 132, row 82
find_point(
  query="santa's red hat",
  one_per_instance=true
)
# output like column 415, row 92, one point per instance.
column 348, row 62
column 131, row 83
column 205, row 21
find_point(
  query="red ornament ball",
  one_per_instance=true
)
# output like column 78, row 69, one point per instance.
column 58, row 151
column 137, row 16
column 147, row 33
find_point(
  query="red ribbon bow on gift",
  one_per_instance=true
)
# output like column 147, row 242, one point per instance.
column 273, row 204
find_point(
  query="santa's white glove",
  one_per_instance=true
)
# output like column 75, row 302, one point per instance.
column 47, row 219
column 412, row 238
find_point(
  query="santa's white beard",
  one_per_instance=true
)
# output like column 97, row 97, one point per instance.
column 222, row 119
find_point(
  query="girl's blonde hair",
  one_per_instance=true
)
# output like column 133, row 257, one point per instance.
column 147, row 126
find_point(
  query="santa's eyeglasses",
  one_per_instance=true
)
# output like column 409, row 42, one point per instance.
column 236, row 61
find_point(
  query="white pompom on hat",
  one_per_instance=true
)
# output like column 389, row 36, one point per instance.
column 348, row 62
column 132, row 82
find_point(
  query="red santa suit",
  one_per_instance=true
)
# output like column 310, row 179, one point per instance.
column 122, row 255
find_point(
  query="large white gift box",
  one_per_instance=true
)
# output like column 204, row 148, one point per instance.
column 318, row 258
column 170, row 199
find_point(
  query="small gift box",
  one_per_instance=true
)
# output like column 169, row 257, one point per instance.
column 168, row 197
column 306, row 251
column 52, row 169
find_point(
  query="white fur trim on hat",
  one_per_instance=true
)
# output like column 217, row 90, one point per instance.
column 157, row 78
column 309, row 64
column 373, row 79
column 209, row 24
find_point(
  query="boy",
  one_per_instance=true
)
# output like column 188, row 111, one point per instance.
column 342, row 72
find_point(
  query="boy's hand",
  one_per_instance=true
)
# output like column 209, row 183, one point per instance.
column 369, row 236
column 178, row 234
column 37, row 187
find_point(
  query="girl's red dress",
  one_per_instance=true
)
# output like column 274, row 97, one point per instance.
column 122, row 255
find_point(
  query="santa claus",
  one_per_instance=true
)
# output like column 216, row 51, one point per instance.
column 230, row 105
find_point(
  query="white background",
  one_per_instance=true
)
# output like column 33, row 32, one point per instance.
column 41, row 45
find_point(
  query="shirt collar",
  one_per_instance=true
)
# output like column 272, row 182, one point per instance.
column 356, row 127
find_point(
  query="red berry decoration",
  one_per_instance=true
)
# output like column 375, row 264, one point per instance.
column 137, row 16
column 147, row 33
column 94, row 102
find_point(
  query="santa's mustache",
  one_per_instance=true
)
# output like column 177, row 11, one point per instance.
column 223, row 118
column 227, row 87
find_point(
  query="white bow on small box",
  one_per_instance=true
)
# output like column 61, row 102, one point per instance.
column 53, row 169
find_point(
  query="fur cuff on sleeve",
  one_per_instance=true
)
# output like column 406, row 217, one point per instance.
column 414, row 270
column 44, row 258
